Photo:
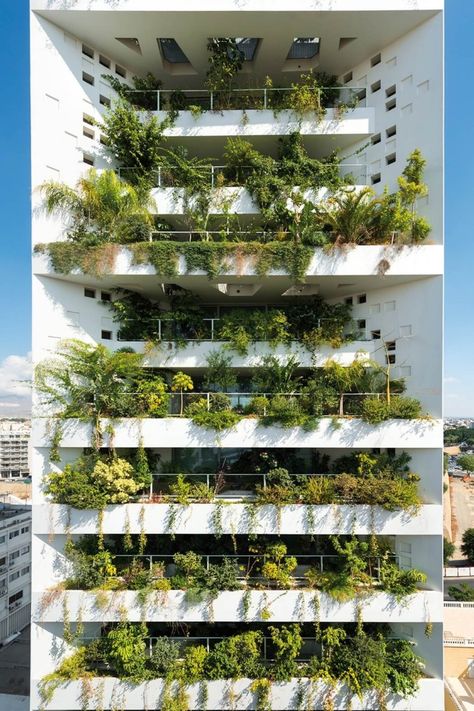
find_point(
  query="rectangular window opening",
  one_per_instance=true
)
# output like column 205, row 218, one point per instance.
column 375, row 335
column 390, row 345
column 104, row 100
column 376, row 139
column 392, row 131
column 88, row 120
column 86, row 158
column 376, row 59
column 88, row 78
column 88, row 51
column 120, row 71
column 391, row 91
column 104, row 61
column 390, row 359
column 90, row 293
column 390, row 105
column 347, row 77
column 349, row 300
column 392, row 158
column 375, row 86
column 88, row 132
column 105, row 296
column 106, row 335
column 362, row 299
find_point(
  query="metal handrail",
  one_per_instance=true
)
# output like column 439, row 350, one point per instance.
column 213, row 334
column 207, row 560
column 209, row 99
column 161, row 173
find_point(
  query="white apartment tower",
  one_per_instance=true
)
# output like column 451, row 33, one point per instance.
column 280, row 291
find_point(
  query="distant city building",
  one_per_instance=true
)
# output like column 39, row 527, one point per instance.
column 15, row 569
column 15, row 449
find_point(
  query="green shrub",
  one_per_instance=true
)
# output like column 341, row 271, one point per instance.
column 375, row 410
column 164, row 656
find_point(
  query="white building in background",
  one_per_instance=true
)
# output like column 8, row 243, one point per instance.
column 15, row 569
column 391, row 54
column 15, row 448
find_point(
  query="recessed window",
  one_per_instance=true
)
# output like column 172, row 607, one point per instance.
column 391, row 451
column 106, row 335
column 14, row 576
column 25, row 529
column 392, row 131
column 131, row 43
column 375, row 335
column 105, row 296
column 361, row 95
column 171, row 51
column 25, row 570
column 349, row 300
column 104, row 140
column 88, row 120
column 344, row 41
column 390, row 105
column 25, row 550
column 391, row 91
column 362, row 299
column 248, row 47
column 304, row 48
column 361, row 323
column 87, row 132
column 88, row 159
column 104, row 100
column 120, row 71
column 104, row 61
column 390, row 345
column 347, row 77
column 391, row 158
column 376, row 139
column 88, row 78
column 376, row 59
column 390, row 359
column 375, row 178
column 88, row 51
column 89, row 293
column 14, row 534
column 17, row 596
column 375, row 86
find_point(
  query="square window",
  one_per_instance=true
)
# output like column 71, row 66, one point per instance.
column 376, row 86
column 375, row 335
column 104, row 61
column 88, row 51
column 90, row 293
column 349, row 300
column 104, row 100
column 361, row 95
column 362, row 299
column 88, row 159
column 391, row 91
column 86, row 118
column 375, row 178
column 390, row 105
column 88, row 78
column 88, row 132
column 120, row 71
column 106, row 335
column 376, row 59
column 105, row 296
column 347, row 77
column 361, row 323
column 391, row 158
column 376, row 139
column 390, row 345
column 390, row 359
column 392, row 131
column 104, row 140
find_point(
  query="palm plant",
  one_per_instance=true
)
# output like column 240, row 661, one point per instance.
column 101, row 208
column 271, row 376
column 351, row 216
column 88, row 382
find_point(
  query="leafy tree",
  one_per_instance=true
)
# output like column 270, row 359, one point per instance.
column 467, row 546
column 126, row 646
column 466, row 462
column 344, row 378
column 181, row 383
column 448, row 550
column 101, row 208
column 219, row 371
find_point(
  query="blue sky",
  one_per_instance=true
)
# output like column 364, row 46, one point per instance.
column 15, row 189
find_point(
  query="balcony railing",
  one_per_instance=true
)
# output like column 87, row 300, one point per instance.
column 170, row 330
column 322, row 563
column 225, row 176
column 275, row 99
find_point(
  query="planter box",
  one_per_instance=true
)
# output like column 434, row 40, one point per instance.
column 284, row 606
column 108, row 693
